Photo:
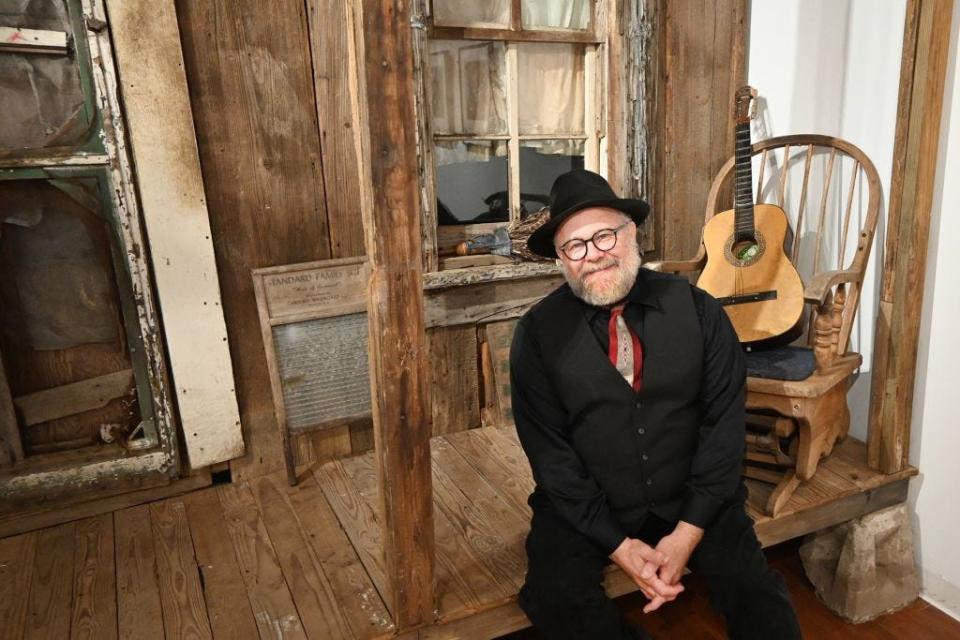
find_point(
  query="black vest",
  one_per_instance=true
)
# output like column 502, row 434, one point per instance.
column 639, row 447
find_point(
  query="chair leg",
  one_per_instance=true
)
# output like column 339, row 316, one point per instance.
column 782, row 493
column 822, row 421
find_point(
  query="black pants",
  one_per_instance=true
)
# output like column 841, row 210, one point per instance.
column 564, row 596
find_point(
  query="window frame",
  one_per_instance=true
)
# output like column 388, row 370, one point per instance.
column 436, row 238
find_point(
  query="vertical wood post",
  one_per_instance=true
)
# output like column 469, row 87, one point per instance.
column 382, row 88
column 926, row 41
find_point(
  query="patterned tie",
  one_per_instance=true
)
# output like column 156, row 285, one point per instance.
column 625, row 351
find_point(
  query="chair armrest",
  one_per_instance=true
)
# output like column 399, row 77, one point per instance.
column 816, row 292
column 677, row 266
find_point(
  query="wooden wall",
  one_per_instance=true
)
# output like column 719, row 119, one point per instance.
column 270, row 101
column 702, row 47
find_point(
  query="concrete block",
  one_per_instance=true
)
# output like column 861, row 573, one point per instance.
column 864, row 568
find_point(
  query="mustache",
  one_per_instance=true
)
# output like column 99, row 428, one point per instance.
column 599, row 266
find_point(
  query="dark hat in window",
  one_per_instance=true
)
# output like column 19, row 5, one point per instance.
column 576, row 190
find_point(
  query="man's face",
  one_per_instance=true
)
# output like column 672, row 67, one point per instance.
column 601, row 278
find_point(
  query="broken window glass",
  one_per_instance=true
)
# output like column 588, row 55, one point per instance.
column 471, row 181
column 541, row 161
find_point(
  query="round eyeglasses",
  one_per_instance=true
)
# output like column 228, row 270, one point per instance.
column 604, row 240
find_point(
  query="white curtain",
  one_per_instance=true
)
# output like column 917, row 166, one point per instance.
column 566, row 14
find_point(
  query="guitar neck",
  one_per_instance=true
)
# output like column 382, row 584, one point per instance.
column 743, row 195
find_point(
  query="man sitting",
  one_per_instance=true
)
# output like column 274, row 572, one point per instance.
column 628, row 395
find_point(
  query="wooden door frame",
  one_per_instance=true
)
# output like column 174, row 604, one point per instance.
column 925, row 59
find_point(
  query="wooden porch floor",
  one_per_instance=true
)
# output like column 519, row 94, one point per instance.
column 267, row 560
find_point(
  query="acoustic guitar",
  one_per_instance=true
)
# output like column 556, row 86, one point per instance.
column 747, row 269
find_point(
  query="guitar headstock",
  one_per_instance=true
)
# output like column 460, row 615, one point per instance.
column 744, row 104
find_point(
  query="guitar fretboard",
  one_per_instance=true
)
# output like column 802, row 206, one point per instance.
column 743, row 185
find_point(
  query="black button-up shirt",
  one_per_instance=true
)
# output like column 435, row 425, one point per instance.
column 541, row 420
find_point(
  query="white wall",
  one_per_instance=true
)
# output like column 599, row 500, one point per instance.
column 832, row 67
column 935, row 431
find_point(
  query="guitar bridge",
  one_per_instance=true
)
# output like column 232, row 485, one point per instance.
column 759, row 296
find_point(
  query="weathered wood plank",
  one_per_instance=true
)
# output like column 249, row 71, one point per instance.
column 911, row 202
column 481, row 516
column 16, row 575
column 156, row 106
column 704, row 45
column 357, row 511
column 273, row 606
column 253, row 103
column 500, row 336
column 228, row 607
column 464, row 583
column 328, row 49
column 184, row 607
column 65, row 511
column 389, row 197
column 513, row 488
column 310, row 587
column 139, row 611
column 73, row 398
column 485, row 302
column 825, row 514
column 94, row 613
column 357, row 598
column 51, row 592
column 454, row 378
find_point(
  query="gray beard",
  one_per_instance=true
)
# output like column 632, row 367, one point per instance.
column 594, row 294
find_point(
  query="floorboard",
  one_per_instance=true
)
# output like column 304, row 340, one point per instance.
column 273, row 607
column 184, row 606
column 311, row 589
column 51, row 591
column 16, row 574
column 94, row 614
column 228, row 607
column 265, row 560
column 139, row 610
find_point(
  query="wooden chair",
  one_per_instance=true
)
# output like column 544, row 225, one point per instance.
column 831, row 193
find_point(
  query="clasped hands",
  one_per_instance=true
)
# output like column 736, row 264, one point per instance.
column 657, row 571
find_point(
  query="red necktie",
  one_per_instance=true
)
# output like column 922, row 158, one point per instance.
column 625, row 351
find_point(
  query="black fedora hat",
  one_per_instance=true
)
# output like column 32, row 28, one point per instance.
column 576, row 190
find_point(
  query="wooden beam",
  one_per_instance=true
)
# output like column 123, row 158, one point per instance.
column 926, row 42
column 11, row 447
column 164, row 147
column 73, row 398
column 18, row 40
column 389, row 196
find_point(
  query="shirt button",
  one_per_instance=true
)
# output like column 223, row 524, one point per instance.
column 638, row 405
column 645, row 456
column 641, row 431
column 649, row 482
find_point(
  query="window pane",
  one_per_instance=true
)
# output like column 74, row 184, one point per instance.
column 551, row 88
column 541, row 161
column 41, row 97
column 563, row 14
column 471, row 13
column 471, row 181
column 468, row 87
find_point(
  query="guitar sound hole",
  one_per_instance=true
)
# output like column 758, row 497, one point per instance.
column 744, row 251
